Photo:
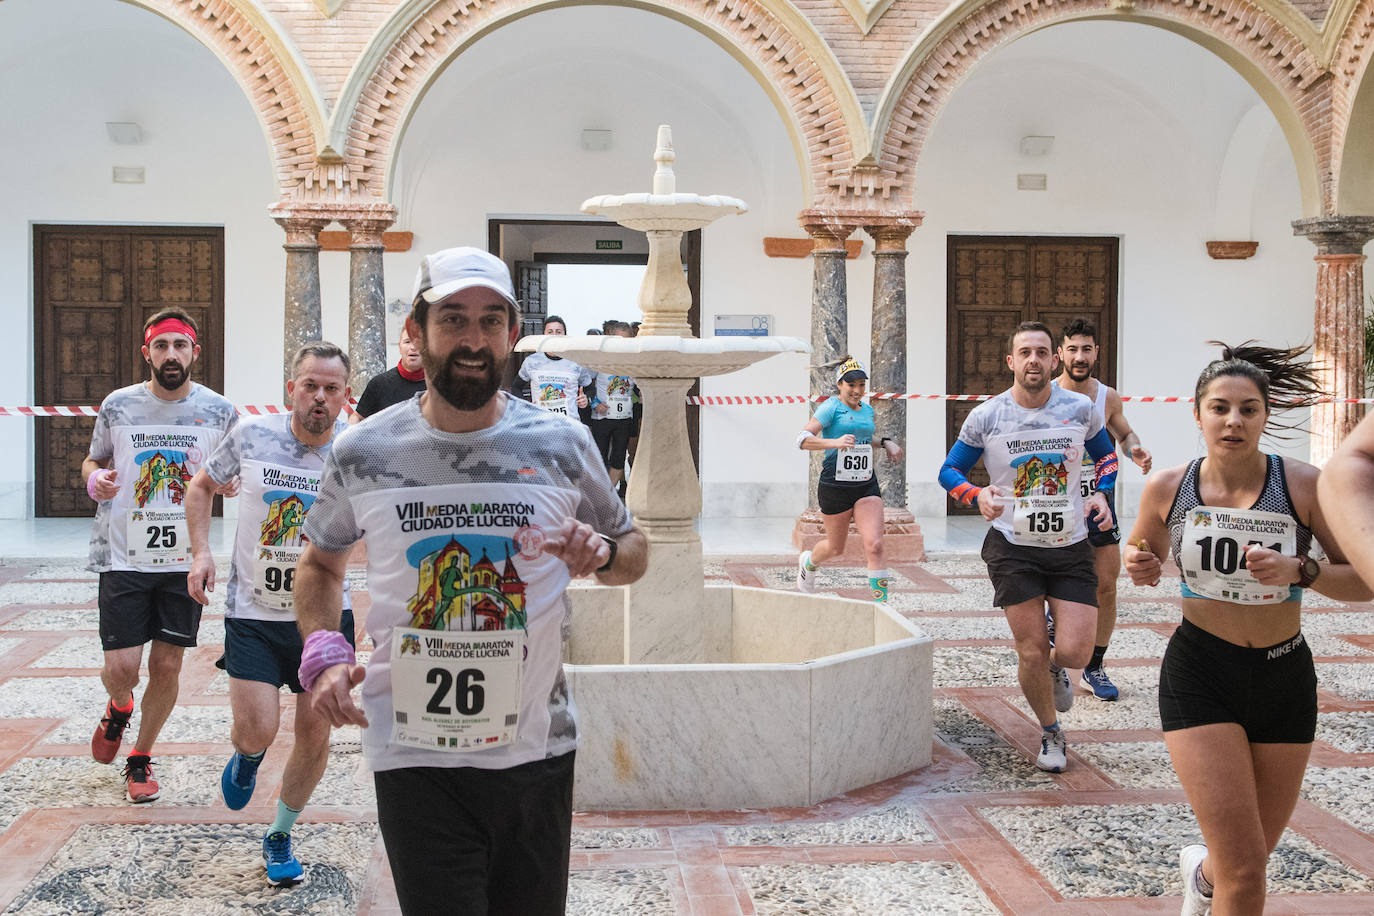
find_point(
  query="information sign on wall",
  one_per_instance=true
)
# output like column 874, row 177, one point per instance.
column 743, row 325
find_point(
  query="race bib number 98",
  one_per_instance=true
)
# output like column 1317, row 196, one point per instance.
column 1213, row 556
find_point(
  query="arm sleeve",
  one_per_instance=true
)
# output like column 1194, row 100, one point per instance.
column 1102, row 450
column 954, row 472
column 224, row 461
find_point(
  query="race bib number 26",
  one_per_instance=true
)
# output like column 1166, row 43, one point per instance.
column 455, row 690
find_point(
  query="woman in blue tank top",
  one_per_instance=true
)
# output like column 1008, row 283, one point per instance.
column 1237, row 687
column 843, row 428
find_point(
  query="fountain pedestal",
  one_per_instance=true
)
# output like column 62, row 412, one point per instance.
column 691, row 696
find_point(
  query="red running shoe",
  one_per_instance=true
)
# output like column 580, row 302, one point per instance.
column 109, row 733
column 139, row 784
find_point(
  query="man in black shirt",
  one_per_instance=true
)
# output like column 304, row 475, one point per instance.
column 394, row 385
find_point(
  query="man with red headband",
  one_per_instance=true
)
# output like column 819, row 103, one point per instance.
column 149, row 440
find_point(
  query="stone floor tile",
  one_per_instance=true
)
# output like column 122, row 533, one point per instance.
column 888, row 888
column 1352, row 732
column 1349, row 680
column 86, row 618
column 1344, row 791
column 1138, row 706
column 619, row 892
column 975, row 666
column 1132, row 764
column 887, row 825
column 46, row 594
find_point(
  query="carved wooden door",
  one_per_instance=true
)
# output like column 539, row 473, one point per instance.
column 996, row 282
column 94, row 286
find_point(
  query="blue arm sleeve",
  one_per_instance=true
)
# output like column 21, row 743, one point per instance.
column 954, row 472
column 1102, row 450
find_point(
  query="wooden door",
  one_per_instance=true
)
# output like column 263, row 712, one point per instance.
column 94, row 286
column 996, row 282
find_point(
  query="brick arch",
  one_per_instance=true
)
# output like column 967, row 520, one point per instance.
column 1272, row 51
column 1352, row 105
column 276, row 82
column 771, row 40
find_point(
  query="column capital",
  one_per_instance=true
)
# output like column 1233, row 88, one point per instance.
column 302, row 221
column 827, row 227
column 1336, row 234
column 891, row 230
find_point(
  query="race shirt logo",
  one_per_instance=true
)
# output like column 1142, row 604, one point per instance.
column 160, row 462
column 551, row 393
column 453, row 592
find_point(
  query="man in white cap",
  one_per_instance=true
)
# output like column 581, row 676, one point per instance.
column 477, row 508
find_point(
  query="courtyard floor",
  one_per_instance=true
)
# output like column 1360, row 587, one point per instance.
column 980, row 830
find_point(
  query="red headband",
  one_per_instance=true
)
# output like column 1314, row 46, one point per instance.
column 169, row 326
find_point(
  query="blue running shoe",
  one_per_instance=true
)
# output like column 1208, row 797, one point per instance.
column 283, row 868
column 1096, row 680
column 237, row 782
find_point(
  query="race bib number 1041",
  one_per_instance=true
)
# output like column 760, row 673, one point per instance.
column 1213, row 556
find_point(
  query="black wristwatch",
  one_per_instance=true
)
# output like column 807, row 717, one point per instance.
column 610, row 542
column 1308, row 571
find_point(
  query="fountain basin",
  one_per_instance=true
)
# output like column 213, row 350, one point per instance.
column 801, row 698
column 662, row 357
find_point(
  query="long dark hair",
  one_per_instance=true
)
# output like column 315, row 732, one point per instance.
column 1283, row 377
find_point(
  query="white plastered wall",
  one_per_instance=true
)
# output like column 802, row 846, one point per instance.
column 65, row 70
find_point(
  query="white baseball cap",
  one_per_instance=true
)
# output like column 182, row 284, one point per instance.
column 446, row 272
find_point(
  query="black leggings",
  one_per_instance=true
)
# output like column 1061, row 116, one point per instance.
column 612, row 439
column 480, row 842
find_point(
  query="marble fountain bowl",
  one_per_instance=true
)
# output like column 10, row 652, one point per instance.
column 802, row 698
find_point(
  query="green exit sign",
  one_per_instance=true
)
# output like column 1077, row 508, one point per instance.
column 609, row 244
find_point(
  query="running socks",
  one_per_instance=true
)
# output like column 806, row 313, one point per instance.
column 877, row 580
column 1099, row 653
column 806, row 558
column 286, row 818
column 1203, row 885
column 1052, row 728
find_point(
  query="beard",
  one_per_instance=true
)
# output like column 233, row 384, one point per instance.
column 315, row 424
column 1079, row 372
column 171, row 375
column 1034, row 386
column 461, row 391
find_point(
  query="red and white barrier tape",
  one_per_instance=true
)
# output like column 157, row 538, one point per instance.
column 705, row 401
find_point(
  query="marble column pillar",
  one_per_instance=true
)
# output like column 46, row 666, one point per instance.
column 829, row 310
column 888, row 370
column 1337, row 324
column 302, row 320
column 367, row 295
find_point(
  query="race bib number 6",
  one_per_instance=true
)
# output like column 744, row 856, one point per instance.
column 455, row 690
column 1213, row 556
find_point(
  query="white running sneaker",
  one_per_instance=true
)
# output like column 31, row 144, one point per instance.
column 1063, row 690
column 1054, row 751
column 1195, row 903
column 806, row 578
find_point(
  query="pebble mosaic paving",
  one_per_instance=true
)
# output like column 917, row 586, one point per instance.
column 981, row 830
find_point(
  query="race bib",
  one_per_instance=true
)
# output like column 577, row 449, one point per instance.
column 274, row 576
column 1212, row 559
column 455, row 690
column 855, row 464
column 618, row 407
column 1046, row 521
column 551, row 393
column 157, row 537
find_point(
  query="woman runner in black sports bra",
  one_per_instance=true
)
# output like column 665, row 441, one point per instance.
column 1237, row 688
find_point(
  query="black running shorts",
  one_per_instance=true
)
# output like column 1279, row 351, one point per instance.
column 837, row 500
column 464, row 840
column 1110, row 537
column 137, row 607
column 270, row 650
column 1020, row 573
column 1270, row 692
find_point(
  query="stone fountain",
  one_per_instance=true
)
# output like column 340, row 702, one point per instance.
column 696, row 696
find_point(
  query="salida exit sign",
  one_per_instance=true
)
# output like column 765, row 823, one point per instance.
column 609, row 244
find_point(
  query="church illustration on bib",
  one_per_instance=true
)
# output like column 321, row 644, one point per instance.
column 162, row 479
column 552, row 392
column 454, row 593
column 1038, row 477
column 284, row 520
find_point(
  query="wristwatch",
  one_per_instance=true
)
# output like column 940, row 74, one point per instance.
column 610, row 543
column 1308, row 571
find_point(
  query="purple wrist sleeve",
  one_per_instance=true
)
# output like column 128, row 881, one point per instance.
column 92, row 481
column 323, row 649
